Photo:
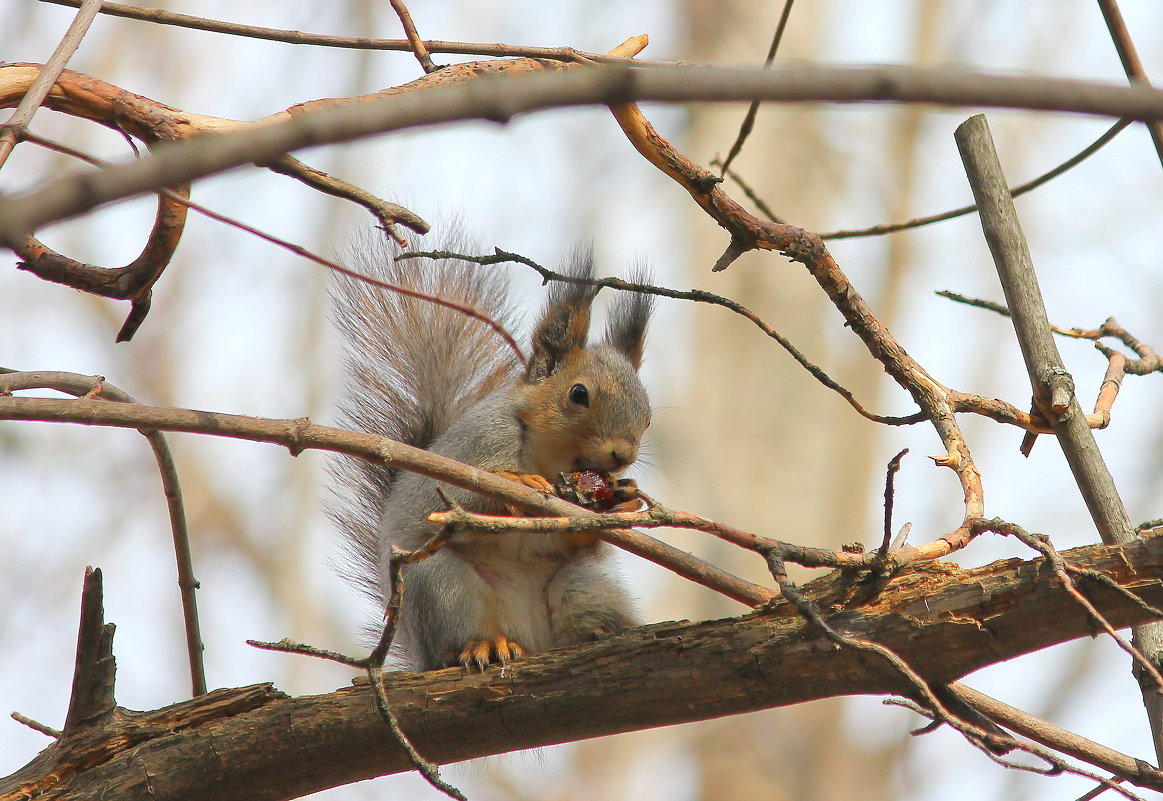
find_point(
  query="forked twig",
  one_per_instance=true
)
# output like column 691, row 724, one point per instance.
column 15, row 128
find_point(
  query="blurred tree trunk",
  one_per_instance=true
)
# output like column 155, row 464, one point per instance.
column 780, row 454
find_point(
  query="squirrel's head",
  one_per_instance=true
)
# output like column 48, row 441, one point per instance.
column 585, row 407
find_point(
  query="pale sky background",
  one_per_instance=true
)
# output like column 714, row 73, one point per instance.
column 240, row 327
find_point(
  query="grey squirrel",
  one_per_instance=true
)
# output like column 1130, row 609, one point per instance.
column 435, row 378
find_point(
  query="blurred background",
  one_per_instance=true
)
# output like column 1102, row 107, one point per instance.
column 741, row 433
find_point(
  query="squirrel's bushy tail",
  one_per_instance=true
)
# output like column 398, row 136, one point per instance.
column 412, row 367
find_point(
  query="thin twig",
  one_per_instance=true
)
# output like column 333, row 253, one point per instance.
column 659, row 516
column 468, row 311
column 894, row 466
column 696, row 295
column 417, row 46
column 811, row 613
column 1118, row 366
column 1020, row 189
column 750, row 193
column 387, row 213
column 1055, row 764
column 13, row 130
column 1132, row 66
column 753, row 109
column 162, row 17
column 36, row 725
column 373, row 663
column 1062, row 740
column 1148, row 360
column 1041, row 543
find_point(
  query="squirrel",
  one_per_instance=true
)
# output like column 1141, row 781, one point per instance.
column 433, row 377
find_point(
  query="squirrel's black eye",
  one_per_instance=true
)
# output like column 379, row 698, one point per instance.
column 580, row 395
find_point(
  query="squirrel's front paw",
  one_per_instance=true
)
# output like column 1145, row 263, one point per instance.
column 532, row 480
column 483, row 653
column 537, row 482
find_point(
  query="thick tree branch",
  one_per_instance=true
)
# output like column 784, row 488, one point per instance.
column 500, row 100
column 254, row 743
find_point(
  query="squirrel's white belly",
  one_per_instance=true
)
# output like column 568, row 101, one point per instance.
column 517, row 570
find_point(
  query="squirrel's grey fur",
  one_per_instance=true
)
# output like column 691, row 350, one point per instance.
column 435, row 378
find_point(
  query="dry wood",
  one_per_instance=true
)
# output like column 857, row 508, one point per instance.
column 256, row 743
column 1053, row 386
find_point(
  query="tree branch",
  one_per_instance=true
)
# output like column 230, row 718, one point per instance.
column 500, row 100
column 1052, row 385
column 96, row 387
column 944, row 621
column 299, row 435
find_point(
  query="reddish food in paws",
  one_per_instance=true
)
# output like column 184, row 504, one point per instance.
column 596, row 490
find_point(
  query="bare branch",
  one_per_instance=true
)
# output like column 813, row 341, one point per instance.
column 35, row 725
column 894, row 466
column 163, row 17
column 1131, row 63
column 752, row 110
column 13, row 130
column 95, row 387
column 695, row 295
column 944, row 620
column 387, row 213
column 1041, row 731
column 299, row 435
column 501, row 100
column 1052, row 385
column 416, row 45
column 1020, row 189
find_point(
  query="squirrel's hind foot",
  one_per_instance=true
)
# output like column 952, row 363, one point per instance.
column 482, row 653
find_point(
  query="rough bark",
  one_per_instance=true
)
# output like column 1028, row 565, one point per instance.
column 256, row 743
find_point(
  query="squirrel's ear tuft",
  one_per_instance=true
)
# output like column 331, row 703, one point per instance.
column 565, row 323
column 628, row 318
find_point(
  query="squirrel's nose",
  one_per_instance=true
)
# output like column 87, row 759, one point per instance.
column 622, row 455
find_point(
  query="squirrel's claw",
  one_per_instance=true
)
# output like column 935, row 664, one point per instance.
column 483, row 653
